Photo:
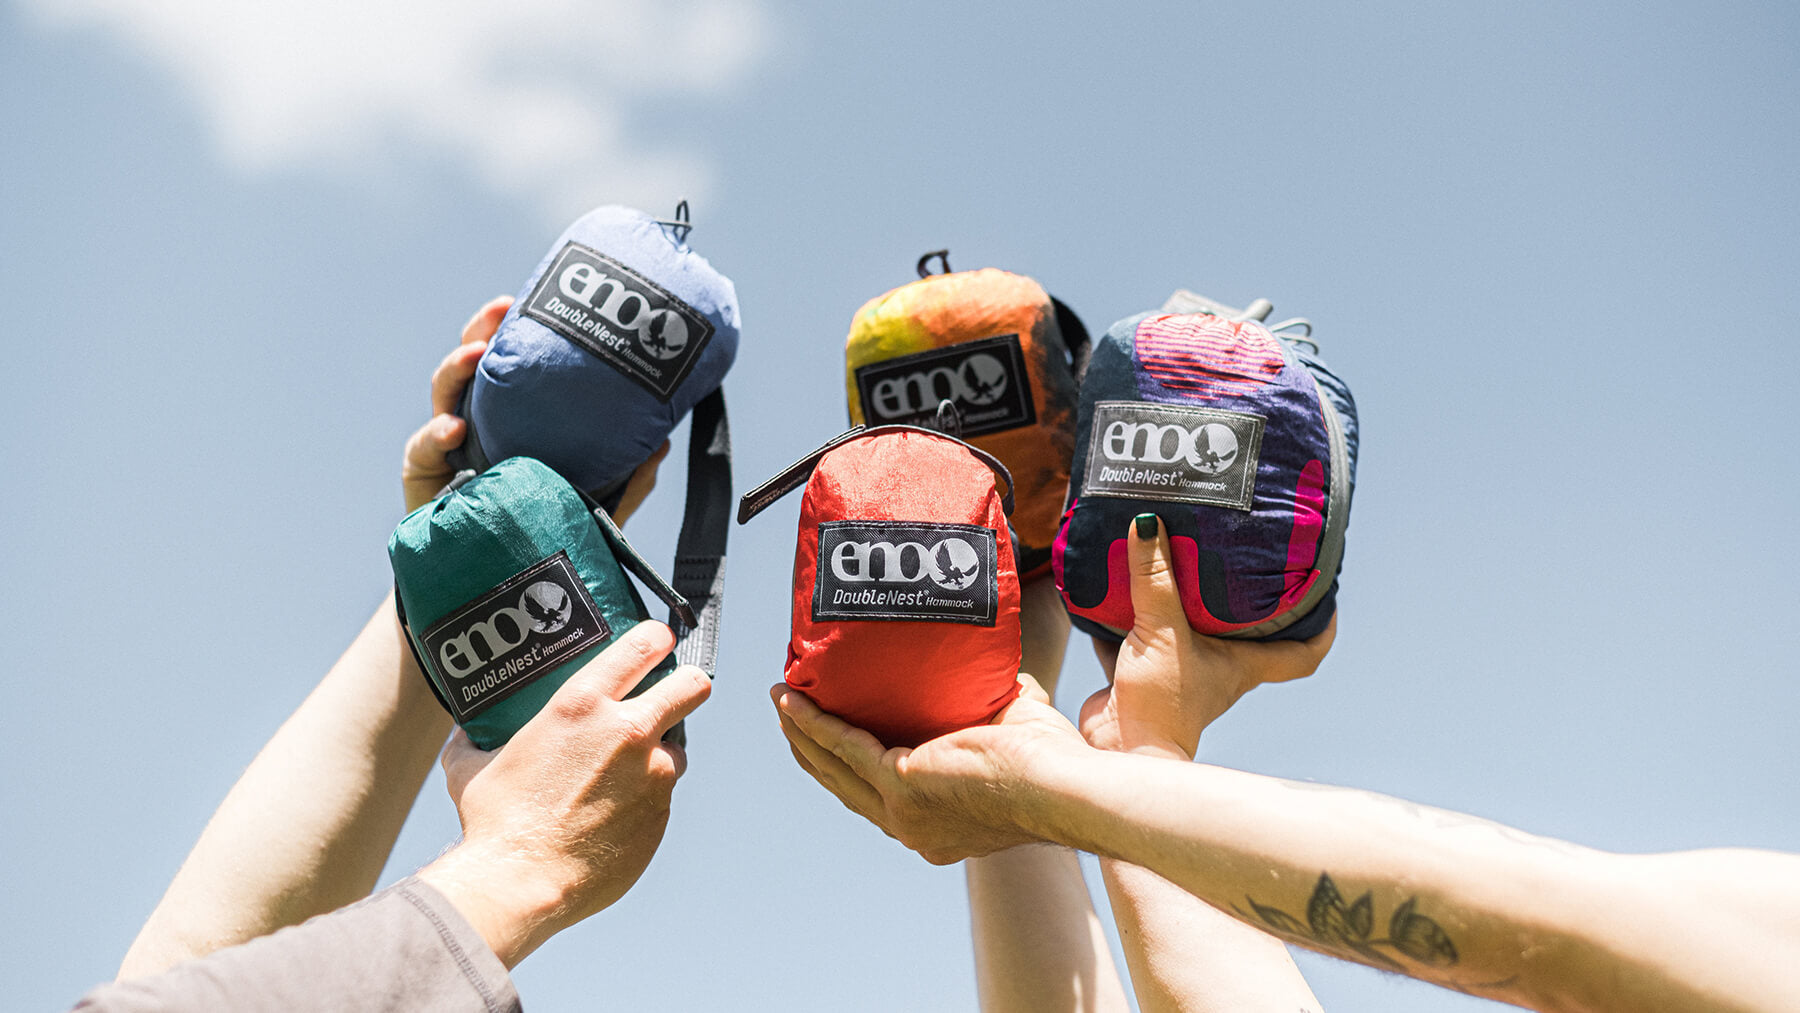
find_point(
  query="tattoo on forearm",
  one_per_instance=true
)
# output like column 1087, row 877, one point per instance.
column 1345, row 929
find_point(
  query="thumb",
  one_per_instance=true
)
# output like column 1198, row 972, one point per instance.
column 1098, row 723
column 1155, row 602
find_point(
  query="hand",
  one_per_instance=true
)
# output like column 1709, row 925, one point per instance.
column 957, row 796
column 423, row 470
column 562, row 820
column 1168, row 682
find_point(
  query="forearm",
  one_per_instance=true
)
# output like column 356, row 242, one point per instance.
column 1039, row 946
column 1186, row 955
column 1442, row 897
column 310, row 823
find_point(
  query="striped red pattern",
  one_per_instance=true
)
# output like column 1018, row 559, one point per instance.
column 1207, row 357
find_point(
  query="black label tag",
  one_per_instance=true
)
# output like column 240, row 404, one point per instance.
column 986, row 380
column 625, row 318
column 1171, row 453
column 499, row 643
column 902, row 570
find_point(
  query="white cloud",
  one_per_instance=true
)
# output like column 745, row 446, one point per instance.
column 531, row 96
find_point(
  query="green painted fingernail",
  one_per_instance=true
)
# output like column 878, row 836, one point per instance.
column 1146, row 525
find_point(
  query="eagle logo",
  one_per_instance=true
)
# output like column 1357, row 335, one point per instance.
column 548, row 606
column 660, row 342
column 1215, row 449
column 954, row 564
column 983, row 379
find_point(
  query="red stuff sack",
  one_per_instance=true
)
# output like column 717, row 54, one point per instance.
column 906, row 590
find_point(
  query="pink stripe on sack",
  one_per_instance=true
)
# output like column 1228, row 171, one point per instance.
column 1303, row 541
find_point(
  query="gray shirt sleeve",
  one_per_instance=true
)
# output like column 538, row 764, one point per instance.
column 405, row 948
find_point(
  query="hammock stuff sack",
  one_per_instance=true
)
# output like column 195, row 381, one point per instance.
column 507, row 584
column 906, row 592
column 1242, row 442
column 1004, row 353
column 620, row 332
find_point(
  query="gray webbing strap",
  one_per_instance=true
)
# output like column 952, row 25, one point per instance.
column 700, row 548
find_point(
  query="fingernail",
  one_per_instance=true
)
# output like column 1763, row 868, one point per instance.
column 1146, row 525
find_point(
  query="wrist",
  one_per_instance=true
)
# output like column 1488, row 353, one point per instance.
column 1162, row 749
column 506, row 899
column 1052, row 808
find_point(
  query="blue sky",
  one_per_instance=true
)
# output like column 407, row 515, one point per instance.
column 1553, row 252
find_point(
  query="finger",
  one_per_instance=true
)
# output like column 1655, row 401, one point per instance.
column 1154, row 599
column 615, row 670
column 426, row 448
column 461, row 762
column 833, row 774
column 486, row 320
column 675, row 756
column 1030, row 690
column 674, row 697
column 1286, row 660
column 859, row 750
column 1094, row 714
column 452, row 375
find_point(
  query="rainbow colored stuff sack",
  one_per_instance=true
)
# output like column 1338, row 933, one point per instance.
column 999, row 348
column 1243, row 443
column 906, row 594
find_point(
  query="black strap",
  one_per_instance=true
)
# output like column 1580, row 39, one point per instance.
column 697, row 597
column 1074, row 335
column 941, row 256
column 795, row 475
column 633, row 561
column 705, row 524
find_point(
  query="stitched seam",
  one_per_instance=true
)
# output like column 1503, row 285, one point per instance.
column 457, row 953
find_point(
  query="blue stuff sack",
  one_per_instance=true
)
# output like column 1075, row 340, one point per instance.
column 618, row 334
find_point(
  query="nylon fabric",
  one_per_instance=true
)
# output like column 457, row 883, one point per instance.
column 1268, row 572
column 904, row 681
column 454, row 549
column 943, row 310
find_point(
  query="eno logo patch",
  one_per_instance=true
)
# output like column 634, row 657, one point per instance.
column 502, row 641
column 1173, row 453
column 898, row 570
column 630, row 321
column 986, row 379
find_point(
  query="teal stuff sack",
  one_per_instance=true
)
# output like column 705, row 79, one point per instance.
column 507, row 584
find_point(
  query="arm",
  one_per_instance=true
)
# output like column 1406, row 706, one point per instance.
column 1185, row 954
column 557, row 825
column 1445, row 898
column 310, row 824
column 1039, row 946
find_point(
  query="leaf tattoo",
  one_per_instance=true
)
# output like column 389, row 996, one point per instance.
column 1334, row 925
column 1419, row 937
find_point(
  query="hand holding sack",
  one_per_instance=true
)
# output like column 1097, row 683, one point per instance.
column 1243, row 442
column 906, row 592
column 1000, row 349
column 619, row 333
column 506, row 585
